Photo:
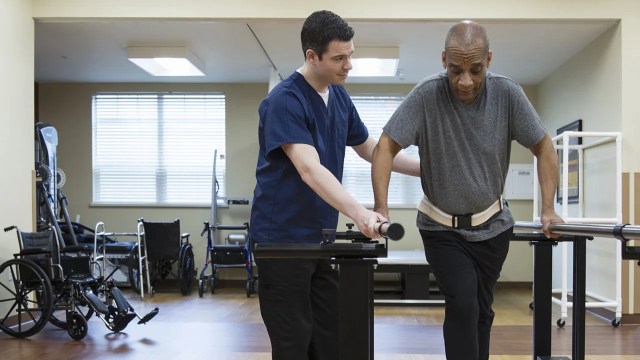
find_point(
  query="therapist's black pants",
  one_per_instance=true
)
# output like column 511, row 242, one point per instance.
column 466, row 273
column 299, row 306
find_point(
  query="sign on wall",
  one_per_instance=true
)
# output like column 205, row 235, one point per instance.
column 519, row 184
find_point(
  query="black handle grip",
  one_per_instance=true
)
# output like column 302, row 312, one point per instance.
column 393, row 231
column 10, row 228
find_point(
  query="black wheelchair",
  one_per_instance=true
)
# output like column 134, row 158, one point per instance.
column 50, row 282
column 160, row 246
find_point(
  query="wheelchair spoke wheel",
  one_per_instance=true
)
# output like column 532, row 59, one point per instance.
column 25, row 296
column 187, row 271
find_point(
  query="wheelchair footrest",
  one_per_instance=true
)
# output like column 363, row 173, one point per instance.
column 149, row 316
column 121, row 321
column 98, row 305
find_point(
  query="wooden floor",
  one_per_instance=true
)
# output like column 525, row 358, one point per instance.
column 227, row 325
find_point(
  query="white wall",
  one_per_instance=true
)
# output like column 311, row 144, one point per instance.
column 16, row 121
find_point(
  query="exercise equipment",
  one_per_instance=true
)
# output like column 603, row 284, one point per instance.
column 355, row 260
column 47, row 281
column 578, row 234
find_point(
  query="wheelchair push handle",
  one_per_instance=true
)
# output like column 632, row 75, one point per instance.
column 206, row 227
column 10, row 228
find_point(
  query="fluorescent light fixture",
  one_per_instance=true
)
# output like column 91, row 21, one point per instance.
column 375, row 61
column 166, row 60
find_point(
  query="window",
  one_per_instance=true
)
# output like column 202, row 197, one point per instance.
column 404, row 190
column 157, row 148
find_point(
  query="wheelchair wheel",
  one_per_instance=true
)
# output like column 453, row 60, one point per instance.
column 186, row 270
column 62, row 303
column 77, row 326
column 249, row 287
column 213, row 282
column 26, row 292
column 200, row 287
column 134, row 269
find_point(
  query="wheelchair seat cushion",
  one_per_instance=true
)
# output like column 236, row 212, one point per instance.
column 123, row 247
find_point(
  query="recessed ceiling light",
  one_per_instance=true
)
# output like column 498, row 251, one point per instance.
column 166, row 60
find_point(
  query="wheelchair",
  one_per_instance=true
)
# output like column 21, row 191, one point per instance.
column 48, row 282
column 160, row 246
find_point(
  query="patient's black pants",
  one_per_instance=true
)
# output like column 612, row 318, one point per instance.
column 466, row 273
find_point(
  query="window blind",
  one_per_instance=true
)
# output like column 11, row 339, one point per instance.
column 157, row 148
column 404, row 190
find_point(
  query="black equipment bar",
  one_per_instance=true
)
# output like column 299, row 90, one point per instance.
column 356, row 261
column 320, row 251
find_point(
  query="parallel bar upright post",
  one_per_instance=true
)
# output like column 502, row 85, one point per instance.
column 579, row 297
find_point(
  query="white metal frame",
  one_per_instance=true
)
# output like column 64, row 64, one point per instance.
column 100, row 232
column 601, row 138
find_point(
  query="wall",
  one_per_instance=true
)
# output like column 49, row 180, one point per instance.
column 16, row 121
column 588, row 87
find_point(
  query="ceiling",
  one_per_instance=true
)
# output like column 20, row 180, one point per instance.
column 95, row 51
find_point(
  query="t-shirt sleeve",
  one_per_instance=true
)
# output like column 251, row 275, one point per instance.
column 285, row 122
column 357, row 132
column 403, row 125
column 526, row 127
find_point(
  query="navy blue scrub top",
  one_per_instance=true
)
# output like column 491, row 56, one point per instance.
column 285, row 209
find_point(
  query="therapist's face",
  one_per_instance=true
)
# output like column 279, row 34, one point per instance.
column 335, row 63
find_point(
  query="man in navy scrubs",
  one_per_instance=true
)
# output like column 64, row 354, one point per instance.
column 306, row 123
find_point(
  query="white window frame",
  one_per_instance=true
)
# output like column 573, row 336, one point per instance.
column 157, row 148
column 404, row 191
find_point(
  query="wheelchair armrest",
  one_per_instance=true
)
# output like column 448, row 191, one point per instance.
column 184, row 236
column 35, row 251
column 77, row 248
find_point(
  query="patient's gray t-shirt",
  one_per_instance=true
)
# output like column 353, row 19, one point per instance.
column 465, row 149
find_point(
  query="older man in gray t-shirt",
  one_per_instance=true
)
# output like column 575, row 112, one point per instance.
column 463, row 121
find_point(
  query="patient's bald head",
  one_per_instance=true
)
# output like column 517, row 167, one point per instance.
column 466, row 34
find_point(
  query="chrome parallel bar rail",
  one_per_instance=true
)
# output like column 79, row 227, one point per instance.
column 622, row 232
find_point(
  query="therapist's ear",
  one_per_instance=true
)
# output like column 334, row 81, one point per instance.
column 311, row 56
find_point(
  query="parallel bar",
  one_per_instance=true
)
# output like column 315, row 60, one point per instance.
column 629, row 232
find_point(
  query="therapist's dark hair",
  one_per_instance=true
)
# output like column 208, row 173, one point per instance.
column 322, row 27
